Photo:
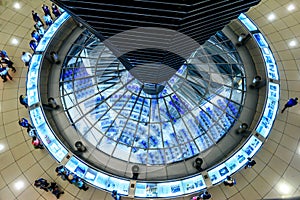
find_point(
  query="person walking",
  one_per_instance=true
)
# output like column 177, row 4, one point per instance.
column 290, row 103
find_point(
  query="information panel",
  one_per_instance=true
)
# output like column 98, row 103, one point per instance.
column 269, row 114
column 97, row 178
column 247, row 22
column 32, row 80
column 46, row 135
column 236, row 161
column 50, row 32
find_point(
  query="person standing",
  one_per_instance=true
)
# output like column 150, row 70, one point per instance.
column 229, row 181
column 48, row 20
column 46, row 10
column 115, row 195
column 3, row 54
column 35, row 35
column 26, row 58
column 33, row 44
column 291, row 102
column 24, row 123
column 23, row 100
column 36, row 17
column 37, row 144
column 205, row 195
column 250, row 163
column 55, row 10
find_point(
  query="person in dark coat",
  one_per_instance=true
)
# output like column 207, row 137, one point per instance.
column 291, row 102
column 46, row 10
column 55, row 10
column 36, row 17
column 55, row 190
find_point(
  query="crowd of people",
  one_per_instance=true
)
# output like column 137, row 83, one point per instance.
column 65, row 174
column 52, row 187
column 6, row 65
column 39, row 25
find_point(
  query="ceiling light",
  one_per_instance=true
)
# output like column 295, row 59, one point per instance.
column 1, row 147
column 291, row 7
column 17, row 5
column 271, row 17
column 284, row 188
column 14, row 41
column 293, row 43
column 19, row 185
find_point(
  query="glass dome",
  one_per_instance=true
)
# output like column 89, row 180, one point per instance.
column 114, row 113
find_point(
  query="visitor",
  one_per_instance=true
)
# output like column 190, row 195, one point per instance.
column 55, row 190
column 36, row 17
column 205, row 195
column 8, row 63
column 24, row 123
column 33, row 44
column 23, row 100
column 37, row 144
column 229, row 181
column 250, row 163
column 41, row 183
column 48, row 20
column 26, row 58
column 46, row 10
column 115, row 195
column 291, row 102
column 55, row 10
column 36, row 36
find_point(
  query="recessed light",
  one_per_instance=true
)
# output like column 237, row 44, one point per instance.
column 284, row 188
column 293, row 43
column 271, row 17
column 291, row 7
column 14, row 41
column 19, row 185
column 1, row 147
column 17, row 5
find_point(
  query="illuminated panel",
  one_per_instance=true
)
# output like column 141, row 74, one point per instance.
column 236, row 161
column 43, row 44
column 32, row 80
column 269, row 114
column 46, row 135
column 97, row 178
column 247, row 22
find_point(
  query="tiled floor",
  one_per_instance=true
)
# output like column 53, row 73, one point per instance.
column 276, row 175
